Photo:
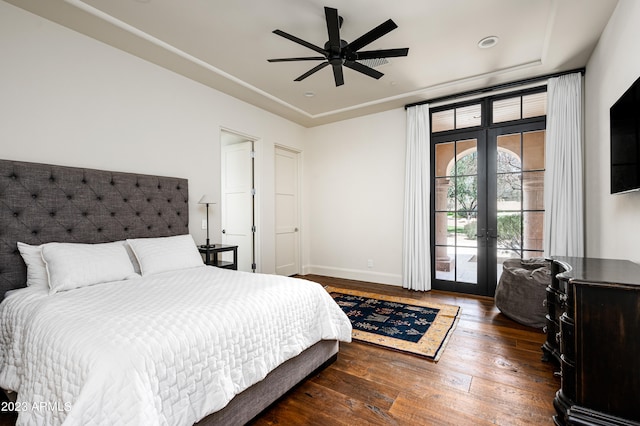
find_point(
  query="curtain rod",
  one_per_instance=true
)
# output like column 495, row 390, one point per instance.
column 496, row 87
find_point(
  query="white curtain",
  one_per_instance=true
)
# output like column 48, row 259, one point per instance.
column 416, row 261
column 563, row 183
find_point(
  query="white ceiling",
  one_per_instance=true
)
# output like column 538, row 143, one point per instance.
column 225, row 44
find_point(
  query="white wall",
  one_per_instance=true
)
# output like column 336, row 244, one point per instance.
column 354, row 186
column 612, row 221
column 68, row 99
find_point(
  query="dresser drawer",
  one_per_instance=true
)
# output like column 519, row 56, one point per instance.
column 554, row 307
column 567, row 340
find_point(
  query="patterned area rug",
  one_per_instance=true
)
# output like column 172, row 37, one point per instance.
column 408, row 325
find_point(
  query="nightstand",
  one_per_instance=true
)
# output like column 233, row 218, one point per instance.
column 212, row 252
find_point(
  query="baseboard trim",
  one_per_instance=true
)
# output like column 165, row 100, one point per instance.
column 354, row 274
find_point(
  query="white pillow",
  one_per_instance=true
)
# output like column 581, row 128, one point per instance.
column 164, row 254
column 36, row 269
column 72, row 265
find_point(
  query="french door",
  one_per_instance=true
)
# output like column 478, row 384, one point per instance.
column 487, row 194
column 460, row 219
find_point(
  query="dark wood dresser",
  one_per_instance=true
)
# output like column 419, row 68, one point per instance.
column 593, row 332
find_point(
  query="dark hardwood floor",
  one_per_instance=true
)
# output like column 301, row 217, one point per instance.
column 490, row 373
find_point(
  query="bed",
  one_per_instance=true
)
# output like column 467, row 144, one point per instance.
column 146, row 334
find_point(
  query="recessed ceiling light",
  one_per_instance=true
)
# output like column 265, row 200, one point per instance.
column 309, row 94
column 488, row 42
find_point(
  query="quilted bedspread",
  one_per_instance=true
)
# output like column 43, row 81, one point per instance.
column 162, row 350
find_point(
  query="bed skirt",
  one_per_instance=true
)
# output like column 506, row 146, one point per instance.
column 248, row 404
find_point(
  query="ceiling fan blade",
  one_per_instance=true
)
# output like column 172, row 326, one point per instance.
column 372, row 35
column 333, row 28
column 337, row 75
column 311, row 71
column 383, row 53
column 300, row 41
column 363, row 69
column 307, row 58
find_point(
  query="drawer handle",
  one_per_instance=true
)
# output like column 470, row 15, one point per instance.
column 544, row 329
column 558, row 337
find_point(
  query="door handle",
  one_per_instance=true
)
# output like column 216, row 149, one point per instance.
column 490, row 234
column 295, row 229
column 224, row 231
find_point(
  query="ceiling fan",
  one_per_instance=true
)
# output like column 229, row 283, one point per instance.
column 337, row 52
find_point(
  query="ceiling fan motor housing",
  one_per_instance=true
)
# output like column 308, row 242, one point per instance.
column 338, row 56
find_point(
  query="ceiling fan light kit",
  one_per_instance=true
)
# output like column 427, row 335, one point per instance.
column 338, row 53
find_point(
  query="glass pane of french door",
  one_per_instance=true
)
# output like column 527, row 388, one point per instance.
column 456, row 196
column 519, row 197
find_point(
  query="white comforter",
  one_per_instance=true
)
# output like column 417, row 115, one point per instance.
column 166, row 349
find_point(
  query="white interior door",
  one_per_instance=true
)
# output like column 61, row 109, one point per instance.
column 286, row 202
column 237, row 201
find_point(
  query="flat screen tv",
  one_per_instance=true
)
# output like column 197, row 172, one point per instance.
column 625, row 141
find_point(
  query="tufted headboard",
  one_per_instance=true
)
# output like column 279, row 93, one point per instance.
column 40, row 203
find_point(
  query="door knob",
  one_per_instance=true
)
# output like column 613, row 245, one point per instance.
column 295, row 229
column 224, row 231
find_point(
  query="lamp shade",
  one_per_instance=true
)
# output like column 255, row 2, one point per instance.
column 207, row 199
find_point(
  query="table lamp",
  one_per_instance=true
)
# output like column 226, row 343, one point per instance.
column 206, row 200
